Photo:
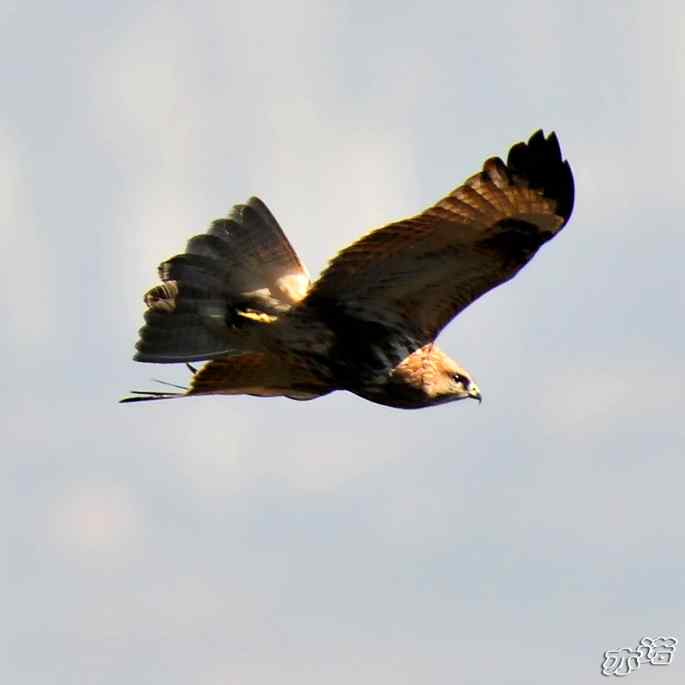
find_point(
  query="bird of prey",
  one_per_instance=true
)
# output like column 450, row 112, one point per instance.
column 240, row 298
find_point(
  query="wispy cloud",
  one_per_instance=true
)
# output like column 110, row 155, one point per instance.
column 251, row 540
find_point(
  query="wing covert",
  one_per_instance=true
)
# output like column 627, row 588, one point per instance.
column 420, row 272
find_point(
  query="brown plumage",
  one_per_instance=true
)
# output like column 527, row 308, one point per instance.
column 241, row 298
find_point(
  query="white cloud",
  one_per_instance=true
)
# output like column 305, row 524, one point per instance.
column 97, row 524
column 27, row 280
column 592, row 400
column 248, row 535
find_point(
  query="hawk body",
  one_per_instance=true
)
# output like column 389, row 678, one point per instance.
column 240, row 297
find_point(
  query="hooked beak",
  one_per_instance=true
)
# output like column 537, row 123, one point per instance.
column 474, row 393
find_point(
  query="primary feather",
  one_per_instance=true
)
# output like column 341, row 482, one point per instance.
column 240, row 296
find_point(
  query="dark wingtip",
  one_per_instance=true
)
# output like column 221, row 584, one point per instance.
column 125, row 400
column 148, row 395
column 541, row 163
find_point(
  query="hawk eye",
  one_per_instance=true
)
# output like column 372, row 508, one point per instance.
column 461, row 379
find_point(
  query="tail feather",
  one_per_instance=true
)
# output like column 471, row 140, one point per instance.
column 207, row 245
column 182, row 336
column 243, row 262
column 204, row 275
column 256, row 236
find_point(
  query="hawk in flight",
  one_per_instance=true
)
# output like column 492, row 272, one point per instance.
column 240, row 298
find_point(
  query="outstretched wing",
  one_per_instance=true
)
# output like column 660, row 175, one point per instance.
column 417, row 274
column 262, row 374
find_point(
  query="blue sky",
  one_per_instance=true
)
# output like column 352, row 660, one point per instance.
column 238, row 540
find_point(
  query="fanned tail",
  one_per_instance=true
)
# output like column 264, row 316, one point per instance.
column 241, row 274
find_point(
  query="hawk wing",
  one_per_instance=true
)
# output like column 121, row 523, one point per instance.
column 261, row 374
column 418, row 273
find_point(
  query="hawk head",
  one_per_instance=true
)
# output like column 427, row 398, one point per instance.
column 445, row 381
column 428, row 377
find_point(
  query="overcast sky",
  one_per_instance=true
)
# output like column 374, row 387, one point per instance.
column 252, row 542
